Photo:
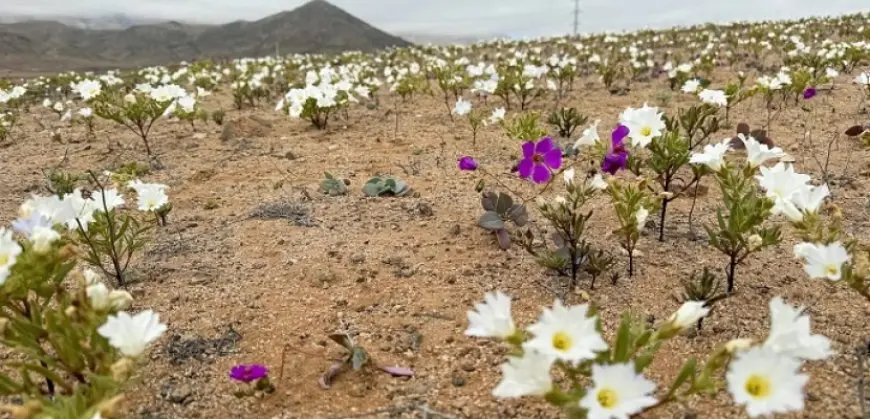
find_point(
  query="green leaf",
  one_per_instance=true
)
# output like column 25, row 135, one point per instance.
column 504, row 203
column 623, row 340
column 359, row 357
column 342, row 339
column 491, row 221
column 688, row 371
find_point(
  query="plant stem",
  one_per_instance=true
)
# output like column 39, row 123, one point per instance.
column 732, row 269
column 662, row 219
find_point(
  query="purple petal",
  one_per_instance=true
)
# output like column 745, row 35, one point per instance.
column 544, row 146
column 525, row 167
column 619, row 133
column 613, row 162
column 398, row 371
column 553, row 158
column 541, row 175
column 528, row 149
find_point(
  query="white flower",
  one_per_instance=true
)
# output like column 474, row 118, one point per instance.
column 688, row 314
column 589, row 136
column 781, row 183
column 808, row 200
column 566, row 333
column 9, row 251
column 42, row 237
column 713, row 97
column 151, row 196
column 766, row 382
column 568, row 175
column 492, row 318
column 641, row 216
column 131, row 334
column 86, row 112
column 758, row 153
column 107, row 199
column 863, row 79
column 790, row 333
column 644, row 124
column 497, row 115
column 462, row 107
column 713, row 155
column 598, row 182
column 618, row 392
column 691, row 86
column 526, row 376
column 823, row 261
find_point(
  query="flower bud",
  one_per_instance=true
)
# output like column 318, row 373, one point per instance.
column 120, row 300
column 739, row 344
column 122, row 369
column 666, row 195
column 754, row 242
column 109, row 408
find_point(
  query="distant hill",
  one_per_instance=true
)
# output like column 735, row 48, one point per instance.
column 444, row 39
column 315, row 27
column 103, row 22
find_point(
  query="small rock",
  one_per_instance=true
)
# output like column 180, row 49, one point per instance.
column 358, row 258
column 457, row 380
column 181, row 395
column 468, row 366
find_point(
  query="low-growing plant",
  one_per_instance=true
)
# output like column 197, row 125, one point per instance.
column 333, row 186
column 386, row 186
column 566, row 121
column 499, row 208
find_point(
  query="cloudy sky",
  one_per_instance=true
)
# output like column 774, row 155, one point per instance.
column 515, row 18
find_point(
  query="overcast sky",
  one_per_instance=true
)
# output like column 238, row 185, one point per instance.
column 515, row 18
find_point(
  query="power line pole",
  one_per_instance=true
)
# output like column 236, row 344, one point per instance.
column 576, row 16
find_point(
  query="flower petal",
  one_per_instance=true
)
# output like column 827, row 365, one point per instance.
column 553, row 158
column 544, row 146
column 541, row 175
column 528, row 149
column 526, row 167
column 619, row 133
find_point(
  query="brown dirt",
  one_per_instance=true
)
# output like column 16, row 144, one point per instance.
column 239, row 289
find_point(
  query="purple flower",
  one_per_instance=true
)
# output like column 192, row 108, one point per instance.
column 617, row 155
column 539, row 160
column 248, row 373
column 809, row 93
column 467, row 163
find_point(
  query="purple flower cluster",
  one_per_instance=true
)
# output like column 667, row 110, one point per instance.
column 248, row 373
column 617, row 155
column 809, row 93
column 467, row 164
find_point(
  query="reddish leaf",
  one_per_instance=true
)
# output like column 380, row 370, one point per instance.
column 854, row 131
column 329, row 375
column 398, row 371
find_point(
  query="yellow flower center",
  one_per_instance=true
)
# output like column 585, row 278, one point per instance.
column 607, row 398
column 831, row 270
column 4, row 259
column 646, row 131
column 758, row 386
column 562, row 341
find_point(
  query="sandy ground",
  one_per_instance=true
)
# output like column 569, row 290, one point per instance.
column 402, row 272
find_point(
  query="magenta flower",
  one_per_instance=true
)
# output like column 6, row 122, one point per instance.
column 467, row 164
column 248, row 373
column 617, row 156
column 539, row 160
column 809, row 93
